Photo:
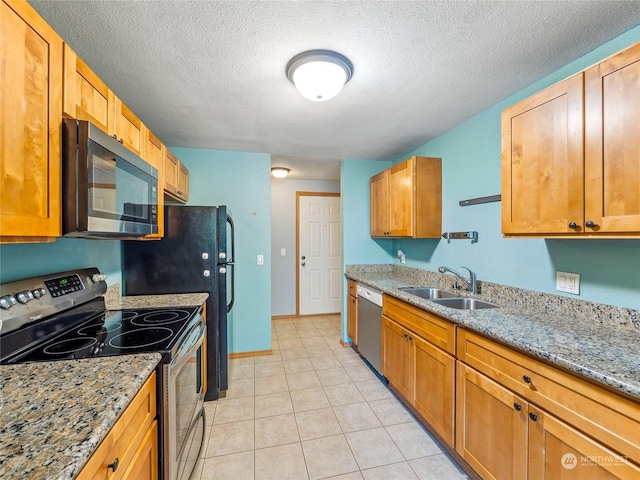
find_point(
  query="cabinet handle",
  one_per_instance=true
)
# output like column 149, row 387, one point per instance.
column 405, row 335
column 114, row 466
column 589, row 224
column 517, row 406
column 533, row 417
column 526, row 378
column 573, row 225
column 411, row 339
column 121, row 141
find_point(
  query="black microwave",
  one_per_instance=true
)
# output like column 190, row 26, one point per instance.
column 107, row 190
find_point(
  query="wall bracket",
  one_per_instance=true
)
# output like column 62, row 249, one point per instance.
column 473, row 236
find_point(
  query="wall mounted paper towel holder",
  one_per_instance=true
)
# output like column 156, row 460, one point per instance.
column 473, row 236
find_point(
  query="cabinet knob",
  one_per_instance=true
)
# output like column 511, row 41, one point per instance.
column 533, row 417
column 526, row 378
column 411, row 339
column 589, row 224
column 114, row 466
column 573, row 225
column 517, row 406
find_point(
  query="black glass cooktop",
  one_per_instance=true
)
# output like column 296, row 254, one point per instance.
column 93, row 334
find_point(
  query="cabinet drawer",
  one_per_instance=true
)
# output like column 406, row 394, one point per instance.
column 352, row 287
column 125, row 437
column 602, row 414
column 431, row 328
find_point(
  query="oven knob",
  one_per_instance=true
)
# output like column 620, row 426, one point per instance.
column 98, row 277
column 7, row 302
column 38, row 292
column 25, row 296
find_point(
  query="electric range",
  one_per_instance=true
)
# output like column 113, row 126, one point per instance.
column 63, row 317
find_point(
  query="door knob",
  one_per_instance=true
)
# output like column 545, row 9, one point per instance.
column 303, row 257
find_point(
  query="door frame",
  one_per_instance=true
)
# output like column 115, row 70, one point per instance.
column 298, row 195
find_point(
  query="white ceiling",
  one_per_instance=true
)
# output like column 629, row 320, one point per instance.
column 211, row 74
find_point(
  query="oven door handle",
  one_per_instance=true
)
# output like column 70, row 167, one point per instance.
column 192, row 341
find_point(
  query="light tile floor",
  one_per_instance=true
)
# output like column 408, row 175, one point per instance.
column 314, row 410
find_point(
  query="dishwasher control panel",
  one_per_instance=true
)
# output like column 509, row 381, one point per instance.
column 373, row 296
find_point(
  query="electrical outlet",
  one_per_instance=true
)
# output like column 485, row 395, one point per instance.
column 568, row 282
column 283, row 252
column 260, row 260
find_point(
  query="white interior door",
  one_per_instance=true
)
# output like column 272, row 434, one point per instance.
column 319, row 255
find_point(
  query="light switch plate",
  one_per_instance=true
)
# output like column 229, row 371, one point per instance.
column 283, row 252
column 260, row 260
column 568, row 282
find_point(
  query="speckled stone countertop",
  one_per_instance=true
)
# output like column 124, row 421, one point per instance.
column 599, row 342
column 114, row 301
column 53, row 415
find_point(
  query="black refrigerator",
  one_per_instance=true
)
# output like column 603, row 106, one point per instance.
column 195, row 255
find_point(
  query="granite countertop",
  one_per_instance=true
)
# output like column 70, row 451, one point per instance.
column 53, row 415
column 599, row 342
column 156, row 301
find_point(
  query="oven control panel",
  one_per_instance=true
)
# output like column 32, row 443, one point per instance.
column 26, row 301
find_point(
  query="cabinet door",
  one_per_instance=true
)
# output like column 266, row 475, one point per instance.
column 352, row 319
column 171, row 173
column 491, row 426
column 183, row 182
column 543, row 162
column 401, row 199
column 129, row 129
column 612, row 153
column 558, row 452
column 154, row 154
column 31, row 110
column 85, row 96
column 397, row 357
column 380, row 205
column 434, row 387
column 144, row 465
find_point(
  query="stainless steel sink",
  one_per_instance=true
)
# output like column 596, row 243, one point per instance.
column 428, row 293
column 462, row 303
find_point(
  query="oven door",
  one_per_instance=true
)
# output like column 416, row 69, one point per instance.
column 185, row 395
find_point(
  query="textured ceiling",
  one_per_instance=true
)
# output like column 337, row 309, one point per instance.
column 211, row 74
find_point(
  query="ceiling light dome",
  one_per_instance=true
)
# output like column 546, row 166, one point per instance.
column 280, row 172
column 319, row 75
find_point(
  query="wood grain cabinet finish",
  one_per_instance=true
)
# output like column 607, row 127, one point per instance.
column 417, row 360
column 155, row 153
column 570, row 155
column 176, row 178
column 31, row 110
column 132, row 442
column 352, row 312
column 610, row 420
column 130, row 131
column 86, row 96
column 406, row 199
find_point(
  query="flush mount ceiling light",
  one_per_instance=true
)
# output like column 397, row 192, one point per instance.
column 280, row 172
column 319, row 75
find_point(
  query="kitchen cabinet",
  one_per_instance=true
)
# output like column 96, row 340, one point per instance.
column 130, row 449
column 130, row 131
column 176, row 178
column 155, row 153
column 86, row 96
column 406, row 199
column 570, row 156
column 539, row 416
column 31, row 103
column 352, row 312
column 418, row 361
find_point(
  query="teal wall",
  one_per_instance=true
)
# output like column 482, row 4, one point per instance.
column 609, row 269
column 19, row 261
column 242, row 182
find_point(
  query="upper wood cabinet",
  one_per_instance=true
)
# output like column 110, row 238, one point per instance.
column 571, row 155
column 86, row 96
column 31, row 112
column 130, row 131
column 176, row 178
column 406, row 199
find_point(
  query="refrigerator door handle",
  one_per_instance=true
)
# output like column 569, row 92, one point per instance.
column 231, row 262
column 233, row 288
column 232, row 253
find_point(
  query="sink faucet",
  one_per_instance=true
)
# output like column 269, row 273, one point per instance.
column 470, row 282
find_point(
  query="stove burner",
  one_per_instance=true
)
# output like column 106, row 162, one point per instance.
column 124, row 314
column 161, row 317
column 71, row 345
column 98, row 328
column 141, row 337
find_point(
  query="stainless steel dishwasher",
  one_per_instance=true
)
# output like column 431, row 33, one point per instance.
column 370, row 326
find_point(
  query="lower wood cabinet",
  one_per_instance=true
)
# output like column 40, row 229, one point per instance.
column 416, row 368
column 130, row 449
